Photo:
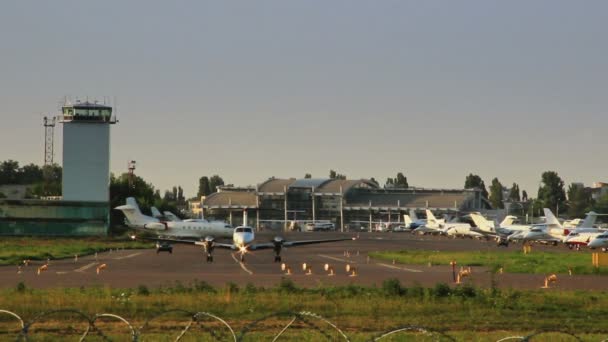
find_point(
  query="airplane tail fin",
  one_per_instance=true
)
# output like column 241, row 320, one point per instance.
column 589, row 220
column 430, row 217
column 132, row 212
column 481, row 222
column 407, row 220
column 508, row 220
column 156, row 213
column 413, row 215
column 550, row 218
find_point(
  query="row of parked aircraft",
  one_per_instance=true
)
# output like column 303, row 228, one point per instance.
column 170, row 229
column 579, row 232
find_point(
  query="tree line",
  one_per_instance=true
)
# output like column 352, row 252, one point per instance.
column 576, row 200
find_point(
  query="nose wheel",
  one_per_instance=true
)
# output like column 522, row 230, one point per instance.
column 209, row 258
column 277, row 258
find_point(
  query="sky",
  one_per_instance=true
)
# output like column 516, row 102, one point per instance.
column 254, row 89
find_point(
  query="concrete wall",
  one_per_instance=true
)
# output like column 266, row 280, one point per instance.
column 86, row 162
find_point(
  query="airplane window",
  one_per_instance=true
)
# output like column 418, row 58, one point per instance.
column 239, row 230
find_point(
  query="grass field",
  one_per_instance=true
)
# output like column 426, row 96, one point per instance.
column 510, row 261
column 464, row 312
column 13, row 250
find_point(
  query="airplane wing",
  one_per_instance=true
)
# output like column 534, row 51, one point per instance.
column 194, row 242
column 268, row 245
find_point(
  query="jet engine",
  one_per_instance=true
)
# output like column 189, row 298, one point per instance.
column 156, row 226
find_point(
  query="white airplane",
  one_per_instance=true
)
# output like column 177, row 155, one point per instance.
column 434, row 225
column 187, row 228
column 551, row 231
column 585, row 232
column 504, row 231
column 415, row 221
column 600, row 241
column 243, row 242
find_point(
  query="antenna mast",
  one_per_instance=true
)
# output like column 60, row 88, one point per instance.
column 49, row 129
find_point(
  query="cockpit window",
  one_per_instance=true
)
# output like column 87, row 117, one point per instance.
column 243, row 230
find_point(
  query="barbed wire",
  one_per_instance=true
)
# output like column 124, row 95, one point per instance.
column 306, row 320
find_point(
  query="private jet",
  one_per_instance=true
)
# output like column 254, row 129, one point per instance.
column 243, row 243
column 197, row 229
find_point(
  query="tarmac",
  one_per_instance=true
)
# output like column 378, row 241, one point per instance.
column 131, row 268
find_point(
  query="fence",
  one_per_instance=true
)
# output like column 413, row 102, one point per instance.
column 218, row 329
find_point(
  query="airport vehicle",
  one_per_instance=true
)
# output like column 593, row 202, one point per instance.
column 243, row 243
column 320, row 226
column 184, row 229
column 162, row 246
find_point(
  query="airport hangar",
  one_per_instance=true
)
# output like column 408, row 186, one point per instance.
column 275, row 203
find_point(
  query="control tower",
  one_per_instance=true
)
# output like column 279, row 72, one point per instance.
column 86, row 151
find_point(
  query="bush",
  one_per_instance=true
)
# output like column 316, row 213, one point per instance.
column 21, row 287
column 287, row 286
column 442, row 290
column 203, row 286
column 142, row 290
column 392, row 287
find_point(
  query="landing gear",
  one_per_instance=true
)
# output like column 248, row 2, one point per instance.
column 209, row 258
column 242, row 257
column 277, row 258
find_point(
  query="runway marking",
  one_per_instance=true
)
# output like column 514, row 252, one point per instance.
column 128, row 256
column 336, row 259
column 400, row 268
column 61, row 272
column 242, row 264
column 85, row 267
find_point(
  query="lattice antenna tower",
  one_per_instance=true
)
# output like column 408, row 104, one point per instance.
column 49, row 130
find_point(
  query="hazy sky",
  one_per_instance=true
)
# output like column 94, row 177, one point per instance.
column 252, row 89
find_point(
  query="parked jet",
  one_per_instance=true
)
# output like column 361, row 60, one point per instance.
column 600, row 241
column 434, row 225
column 187, row 228
column 551, row 231
column 243, row 242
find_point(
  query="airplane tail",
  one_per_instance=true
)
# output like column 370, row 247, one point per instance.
column 430, row 217
column 413, row 215
column 589, row 220
column 133, row 214
column 508, row 220
column 481, row 222
column 155, row 212
column 407, row 220
column 550, row 218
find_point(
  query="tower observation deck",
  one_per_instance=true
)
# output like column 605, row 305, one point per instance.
column 86, row 151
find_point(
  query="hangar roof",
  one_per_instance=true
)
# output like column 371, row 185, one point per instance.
column 444, row 200
column 231, row 199
column 275, row 185
column 333, row 185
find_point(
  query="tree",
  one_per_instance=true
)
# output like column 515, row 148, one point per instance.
column 496, row 194
column 214, row 182
column 579, row 200
column 551, row 193
column 174, row 193
column 524, row 196
column 401, row 180
column 308, row 175
column 180, row 195
column 601, row 205
column 474, row 181
column 514, row 193
column 9, row 170
column 334, row 175
column 203, row 186
column 30, row 174
column 373, row 180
